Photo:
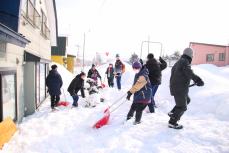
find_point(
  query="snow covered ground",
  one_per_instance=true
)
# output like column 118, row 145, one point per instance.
column 206, row 122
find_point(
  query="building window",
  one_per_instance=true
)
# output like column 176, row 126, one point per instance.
column 221, row 56
column 42, row 81
column 32, row 14
column 8, row 104
column 44, row 28
column 210, row 57
column 41, row 90
column 2, row 49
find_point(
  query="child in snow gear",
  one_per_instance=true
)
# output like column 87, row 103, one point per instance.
column 119, row 70
column 94, row 74
column 54, row 83
column 76, row 85
column 181, row 74
column 155, row 69
column 110, row 75
column 141, row 90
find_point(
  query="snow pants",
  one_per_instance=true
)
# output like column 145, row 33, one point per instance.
column 181, row 106
column 75, row 100
column 138, row 107
column 118, row 79
column 54, row 100
column 151, row 105
column 110, row 82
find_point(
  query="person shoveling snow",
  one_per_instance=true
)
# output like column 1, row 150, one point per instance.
column 142, row 92
column 76, row 85
column 181, row 74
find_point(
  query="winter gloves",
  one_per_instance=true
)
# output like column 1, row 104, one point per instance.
column 128, row 95
column 199, row 82
column 160, row 59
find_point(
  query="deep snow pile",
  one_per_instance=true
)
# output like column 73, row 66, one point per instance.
column 69, row 130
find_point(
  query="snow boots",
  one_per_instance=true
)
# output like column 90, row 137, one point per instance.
column 175, row 126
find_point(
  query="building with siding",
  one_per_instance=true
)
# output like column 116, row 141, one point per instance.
column 210, row 54
column 25, row 67
column 59, row 51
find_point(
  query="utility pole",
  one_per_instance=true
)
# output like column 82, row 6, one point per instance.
column 83, row 48
column 148, row 43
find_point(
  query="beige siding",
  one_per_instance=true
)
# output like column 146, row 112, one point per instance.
column 39, row 45
column 14, row 59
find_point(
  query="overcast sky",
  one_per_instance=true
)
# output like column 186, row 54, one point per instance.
column 119, row 26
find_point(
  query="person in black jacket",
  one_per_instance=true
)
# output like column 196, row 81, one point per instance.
column 181, row 75
column 94, row 74
column 110, row 75
column 76, row 85
column 54, row 83
column 154, row 67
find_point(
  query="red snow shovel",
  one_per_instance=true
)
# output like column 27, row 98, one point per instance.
column 63, row 103
column 104, row 120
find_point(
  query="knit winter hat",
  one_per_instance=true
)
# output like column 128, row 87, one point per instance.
column 137, row 65
column 150, row 56
column 54, row 66
column 188, row 52
column 117, row 55
column 93, row 65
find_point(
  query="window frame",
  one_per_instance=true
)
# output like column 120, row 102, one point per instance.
column 8, row 71
column 207, row 58
column 220, row 57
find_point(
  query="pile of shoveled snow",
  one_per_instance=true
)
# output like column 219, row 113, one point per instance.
column 70, row 130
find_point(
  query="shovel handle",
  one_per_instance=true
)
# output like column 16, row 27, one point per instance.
column 191, row 85
column 116, row 101
column 118, row 106
column 64, row 94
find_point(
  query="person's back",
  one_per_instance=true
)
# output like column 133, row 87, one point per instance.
column 54, row 83
column 155, row 69
column 118, row 66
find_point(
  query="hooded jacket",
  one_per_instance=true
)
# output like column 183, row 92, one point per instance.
column 181, row 75
column 155, row 69
column 54, row 82
column 76, row 85
column 142, row 88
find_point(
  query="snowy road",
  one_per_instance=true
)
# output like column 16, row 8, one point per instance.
column 206, row 123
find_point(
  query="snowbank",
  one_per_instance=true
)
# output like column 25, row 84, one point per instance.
column 69, row 131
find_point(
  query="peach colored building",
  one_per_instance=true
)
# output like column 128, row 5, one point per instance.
column 210, row 54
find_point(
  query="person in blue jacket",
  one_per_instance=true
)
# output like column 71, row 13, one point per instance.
column 54, row 83
column 142, row 92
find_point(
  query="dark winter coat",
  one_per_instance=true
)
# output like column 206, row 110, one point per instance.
column 54, row 83
column 155, row 69
column 93, row 74
column 110, row 72
column 76, row 85
column 181, row 75
column 118, row 67
column 142, row 88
